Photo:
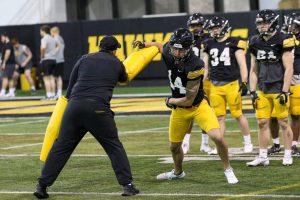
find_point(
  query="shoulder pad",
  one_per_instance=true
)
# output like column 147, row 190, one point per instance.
column 289, row 42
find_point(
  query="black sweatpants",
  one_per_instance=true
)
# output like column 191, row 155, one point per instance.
column 81, row 116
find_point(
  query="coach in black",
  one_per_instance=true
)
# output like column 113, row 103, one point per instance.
column 90, row 90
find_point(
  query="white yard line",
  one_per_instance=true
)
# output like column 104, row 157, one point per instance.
column 158, row 194
column 28, row 122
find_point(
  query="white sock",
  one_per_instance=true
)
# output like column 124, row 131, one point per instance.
column 2, row 92
column 247, row 139
column 48, row 94
column 32, row 87
column 59, row 92
column 276, row 140
column 187, row 137
column 205, row 138
column 295, row 143
column 13, row 89
column 52, row 94
column 287, row 153
column 263, row 153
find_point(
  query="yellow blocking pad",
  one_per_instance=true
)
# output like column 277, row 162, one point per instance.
column 53, row 127
column 295, row 100
column 138, row 60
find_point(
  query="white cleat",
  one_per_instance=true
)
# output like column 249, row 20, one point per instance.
column 170, row 175
column 287, row 160
column 248, row 148
column 185, row 147
column 231, row 178
column 213, row 152
column 258, row 161
column 205, row 148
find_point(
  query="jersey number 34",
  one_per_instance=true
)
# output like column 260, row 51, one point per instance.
column 224, row 57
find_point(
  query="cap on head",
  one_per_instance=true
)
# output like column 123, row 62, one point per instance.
column 110, row 43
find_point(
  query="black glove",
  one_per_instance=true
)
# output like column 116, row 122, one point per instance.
column 243, row 89
column 167, row 99
column 139, row 44
column 283, row 97
column 254, row 98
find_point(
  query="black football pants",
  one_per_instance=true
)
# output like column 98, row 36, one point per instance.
column 81, row 116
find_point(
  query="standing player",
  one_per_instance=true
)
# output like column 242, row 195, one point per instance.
column 225, row 57
column 187, row 102
column 60, row 60
column 272, row 69
column 196, row 24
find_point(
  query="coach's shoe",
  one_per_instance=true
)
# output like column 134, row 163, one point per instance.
column 231, row 178
column 185, row 147
column 248, row 148
column 287, row 160
column 130, row 190
column 275, row 149
column 258, row 161
column 295, row 150
column 41, row 192
column 170, row 175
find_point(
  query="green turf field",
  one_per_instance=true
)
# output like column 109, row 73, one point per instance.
column 88, row 174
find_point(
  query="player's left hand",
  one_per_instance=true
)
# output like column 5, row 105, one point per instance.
column 167, row 101
column 283, row 97
column 243, row 89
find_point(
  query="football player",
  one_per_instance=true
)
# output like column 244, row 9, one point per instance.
column 197, row 24
column 272, row 69
column 186, row 71
column 225, row 58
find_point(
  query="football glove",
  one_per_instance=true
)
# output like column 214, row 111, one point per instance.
column 254, row 98
column 283, row 97
column 167, row 99
column 139, row 44
column 243, row 89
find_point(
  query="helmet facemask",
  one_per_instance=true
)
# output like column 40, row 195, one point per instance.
column 219, row 28
column 267, row 22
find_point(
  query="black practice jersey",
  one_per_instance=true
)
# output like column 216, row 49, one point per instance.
column 198, row 45
column 223, row 65
column 269, row 58
column 297, row 56
column 95, row 76
column 180, row 73
column 11, row 58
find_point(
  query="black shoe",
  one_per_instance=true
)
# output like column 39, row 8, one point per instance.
column 130, row 190
column 295, row 150
column 275, row 149
column 41, row 192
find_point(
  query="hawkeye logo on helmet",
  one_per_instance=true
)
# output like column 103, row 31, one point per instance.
column 177, row 46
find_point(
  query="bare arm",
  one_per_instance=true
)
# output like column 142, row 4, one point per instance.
column 43, row 49
column 288, row 60
column 192, row 88
column 253, row 73
column 6, row 56
column 28, row 56
column 206, row 66
column 241, row 59
column 157, row 44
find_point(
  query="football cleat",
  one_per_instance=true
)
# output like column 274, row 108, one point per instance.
column 287, row 160
column 231, row 178
column 130, row 190
column 248, row 148
column 295, row 150
column 275, row 149
column 41, row 192
column 170, row 175
column 258, row 161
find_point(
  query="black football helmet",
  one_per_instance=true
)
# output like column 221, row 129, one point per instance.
column 195, row 21
column 296, row 23
column 181, row 43
column 287, row 24
column 269, row 17
column 218, row 22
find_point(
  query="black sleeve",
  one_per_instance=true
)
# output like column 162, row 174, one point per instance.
column 73, row 78
column 123, row 77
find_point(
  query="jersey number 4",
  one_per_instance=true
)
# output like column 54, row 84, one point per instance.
column 177, row 83
column 224, row 57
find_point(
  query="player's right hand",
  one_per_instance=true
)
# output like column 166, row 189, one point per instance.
column 138, row 44
column 254, row 98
